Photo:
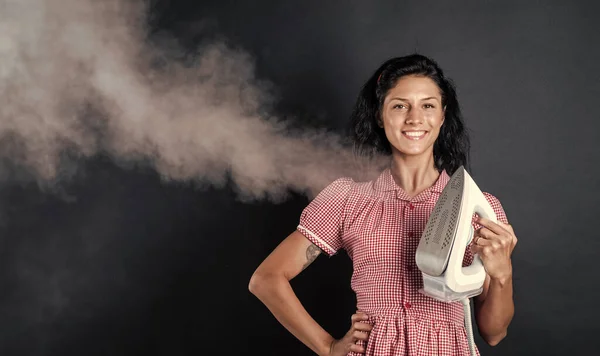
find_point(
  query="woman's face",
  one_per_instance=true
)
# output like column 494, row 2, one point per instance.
column 412, row 115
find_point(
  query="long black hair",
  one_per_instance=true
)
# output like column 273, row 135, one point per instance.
column 450, row 150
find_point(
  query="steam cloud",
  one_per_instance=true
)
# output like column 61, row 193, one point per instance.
column 78, row 76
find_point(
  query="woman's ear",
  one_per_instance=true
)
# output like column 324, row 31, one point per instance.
column 443, row 114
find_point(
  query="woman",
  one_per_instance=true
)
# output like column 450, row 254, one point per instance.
column 409, row 110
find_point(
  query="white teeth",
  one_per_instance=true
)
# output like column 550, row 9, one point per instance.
column 415, row 133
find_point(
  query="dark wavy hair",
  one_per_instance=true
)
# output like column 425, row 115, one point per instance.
column 451, row 148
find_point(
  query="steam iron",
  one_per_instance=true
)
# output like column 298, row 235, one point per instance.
column 442, row 247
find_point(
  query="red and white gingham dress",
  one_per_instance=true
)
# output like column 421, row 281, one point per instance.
column 379, row 226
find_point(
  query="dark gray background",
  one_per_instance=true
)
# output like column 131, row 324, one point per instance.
column 131, row 266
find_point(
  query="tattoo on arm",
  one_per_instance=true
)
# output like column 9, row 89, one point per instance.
column 312, row 252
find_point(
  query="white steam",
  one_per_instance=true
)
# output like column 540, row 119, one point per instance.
column 77, row 76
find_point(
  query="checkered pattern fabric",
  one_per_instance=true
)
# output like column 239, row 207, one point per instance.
column 379, row 227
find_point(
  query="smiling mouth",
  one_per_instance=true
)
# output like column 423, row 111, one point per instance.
column 415, row 135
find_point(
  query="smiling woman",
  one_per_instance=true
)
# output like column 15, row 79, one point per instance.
column 411, row 88
column 412, row 114
column 409, row 111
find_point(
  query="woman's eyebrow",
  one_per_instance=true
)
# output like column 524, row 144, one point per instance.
column 402, row 99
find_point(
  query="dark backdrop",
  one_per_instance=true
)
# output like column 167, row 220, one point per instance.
column 132, row 266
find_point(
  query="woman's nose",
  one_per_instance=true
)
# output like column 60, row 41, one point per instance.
column 413, row 116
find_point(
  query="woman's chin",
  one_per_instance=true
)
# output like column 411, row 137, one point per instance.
column 412, row 151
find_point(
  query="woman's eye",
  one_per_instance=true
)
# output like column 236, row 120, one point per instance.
column 428, row 106
column 398, row 106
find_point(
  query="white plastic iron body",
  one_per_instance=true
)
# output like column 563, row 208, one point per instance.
column 442, row 247
column 448, row 232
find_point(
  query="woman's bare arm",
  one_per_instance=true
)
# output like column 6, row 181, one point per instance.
column 271, row 284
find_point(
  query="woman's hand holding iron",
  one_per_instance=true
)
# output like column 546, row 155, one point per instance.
column 494, row 242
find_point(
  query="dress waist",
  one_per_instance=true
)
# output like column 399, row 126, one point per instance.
column 447, row 314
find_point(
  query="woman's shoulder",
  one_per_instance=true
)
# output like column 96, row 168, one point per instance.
column 346, row 192
column 496, row 205
column 349, row 184
column 350, row 187
column 492, row 199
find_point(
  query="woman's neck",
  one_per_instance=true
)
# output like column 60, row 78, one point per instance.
column 414, row 174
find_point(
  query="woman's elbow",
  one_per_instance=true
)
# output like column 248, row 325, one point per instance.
column 256, row 281
column 494, row 340
column 260, row 280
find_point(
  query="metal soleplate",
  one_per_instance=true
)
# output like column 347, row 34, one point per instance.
column 437, row 240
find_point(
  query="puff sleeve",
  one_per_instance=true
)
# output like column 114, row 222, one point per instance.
column 322, row 221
